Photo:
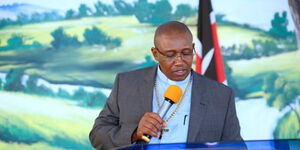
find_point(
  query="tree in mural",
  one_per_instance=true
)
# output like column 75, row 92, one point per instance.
column 83, row 10
column 0, row 84
column 282, row 94
column 22, row 18
column 95, row 36
column 102, row 9
column 31, row 84
column 232, row 83
column 70, row 14
column 96, row 99
column 279, row 26
column 162, row 12
column 52, row 16
column 147, row 62
column 156, row 13
column 183, row 11
column 295, row 11
column 61, row 39
column 4, row 22
column 143, row 10
column 63, row 93
column 13, row 80
column 15, row 41
column 123, row 7
column 37, row 17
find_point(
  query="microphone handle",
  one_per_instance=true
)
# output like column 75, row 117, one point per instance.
column 161, row 112
column 146, row 138
column 166, row 105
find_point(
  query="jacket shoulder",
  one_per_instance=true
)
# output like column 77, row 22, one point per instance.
column 138, row 73
column 212, row 84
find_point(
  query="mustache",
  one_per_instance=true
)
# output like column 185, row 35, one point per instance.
column 180, row 69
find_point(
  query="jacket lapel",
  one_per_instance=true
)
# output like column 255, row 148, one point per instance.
column 146, row 88
column 198, row 107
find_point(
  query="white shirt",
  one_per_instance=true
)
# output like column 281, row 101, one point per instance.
column 178, row 124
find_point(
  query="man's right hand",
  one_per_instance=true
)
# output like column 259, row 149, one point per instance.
column 150, row 124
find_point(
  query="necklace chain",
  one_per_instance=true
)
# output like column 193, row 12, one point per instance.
column 180, row 101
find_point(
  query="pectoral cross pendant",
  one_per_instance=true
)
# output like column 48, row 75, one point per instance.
column 162, row 131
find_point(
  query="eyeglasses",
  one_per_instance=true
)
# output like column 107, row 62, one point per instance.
column 171, row 55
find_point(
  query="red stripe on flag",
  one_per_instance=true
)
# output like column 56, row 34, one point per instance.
column 198, row 64
column 218, row 56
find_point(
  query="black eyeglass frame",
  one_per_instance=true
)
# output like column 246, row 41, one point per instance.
column 175, row 54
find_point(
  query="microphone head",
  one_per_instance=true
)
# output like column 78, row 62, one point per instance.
column 173, row 93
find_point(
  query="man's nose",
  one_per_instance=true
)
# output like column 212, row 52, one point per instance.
column 179, row 56
column 178, row 59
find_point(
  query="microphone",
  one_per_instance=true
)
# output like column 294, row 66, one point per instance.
column 172, row 96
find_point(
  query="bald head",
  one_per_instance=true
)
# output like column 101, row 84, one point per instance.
column 172, row 28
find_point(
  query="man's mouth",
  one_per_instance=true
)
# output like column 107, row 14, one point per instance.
column 180, row 72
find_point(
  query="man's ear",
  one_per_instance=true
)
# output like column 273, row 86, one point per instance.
column 154, row 53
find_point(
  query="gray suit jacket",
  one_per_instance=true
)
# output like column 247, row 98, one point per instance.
column 212, row 116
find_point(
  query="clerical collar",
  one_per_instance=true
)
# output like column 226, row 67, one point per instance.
column 163, row 78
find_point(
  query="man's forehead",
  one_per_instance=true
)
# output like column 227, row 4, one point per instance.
column 175, row 44
column 165, row 36
column 171, row 30
column 174, row 35
column 177, row 38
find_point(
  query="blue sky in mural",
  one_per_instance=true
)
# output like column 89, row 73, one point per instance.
column 258, row 17
column 264, row 11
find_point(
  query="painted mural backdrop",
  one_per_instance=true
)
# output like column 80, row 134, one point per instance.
column 58, row 60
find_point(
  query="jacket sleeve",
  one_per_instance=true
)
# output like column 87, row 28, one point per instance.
column 107, row 131
column 231, row 128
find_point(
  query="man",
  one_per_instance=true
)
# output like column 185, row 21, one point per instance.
column 205, row 113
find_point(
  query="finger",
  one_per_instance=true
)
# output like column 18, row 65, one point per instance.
column 152, row 119
column 164, row 124
column 156, row 117
column 153, row 124
column 149, row 126
column 149, row 131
